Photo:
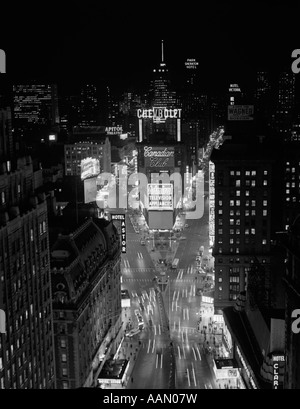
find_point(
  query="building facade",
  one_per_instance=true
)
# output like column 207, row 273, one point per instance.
column 26, row 347
column 86, row 283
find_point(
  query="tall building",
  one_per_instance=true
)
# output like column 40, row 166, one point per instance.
column 88, row 109
column 248, row 206
column 160, row 90
column 285, row 101
column 76, row 152
column 26, row 347
column 35, row 104
column 86, row 288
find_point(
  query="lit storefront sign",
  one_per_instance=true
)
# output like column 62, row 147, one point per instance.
column 211, row 203
column 158, row 157
column 159, row 114
column 246, row 368
column 278, row 363
column 114, row 130
column 160, row 196
column 121, row 230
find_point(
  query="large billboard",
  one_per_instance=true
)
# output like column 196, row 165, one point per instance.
column 240, row 112
column 159, row 114
column 160, row 220
column 158, row 157
column 160, row 196
column 89, row 167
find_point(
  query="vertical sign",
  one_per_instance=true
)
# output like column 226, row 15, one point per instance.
column 278, row 369
column 122, row 230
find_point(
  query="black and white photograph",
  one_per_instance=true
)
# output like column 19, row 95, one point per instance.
column 149, row 198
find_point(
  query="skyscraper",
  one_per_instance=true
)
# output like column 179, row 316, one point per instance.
column 160, row 90
column 26, row 349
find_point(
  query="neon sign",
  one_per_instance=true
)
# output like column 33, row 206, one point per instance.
column 159, row 114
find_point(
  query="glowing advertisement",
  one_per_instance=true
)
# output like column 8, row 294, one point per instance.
column 159, row 114
column 211, row 221
column 121, row 227
column 158, row 157
column 114, row 130
column 240, row 112
column 160, row 196
column 89, row 167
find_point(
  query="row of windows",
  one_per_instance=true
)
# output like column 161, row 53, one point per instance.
column 246, row 173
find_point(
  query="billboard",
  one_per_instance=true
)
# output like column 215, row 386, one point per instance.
column 158, row 156
column 90, row 190
column 191, row 63
column 89, row 167
column 158, row 220
column 160, row 196
column 240, row 112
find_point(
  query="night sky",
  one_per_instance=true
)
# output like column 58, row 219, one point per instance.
column 120, row 42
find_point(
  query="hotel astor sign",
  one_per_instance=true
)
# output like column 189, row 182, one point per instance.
column 159, row 114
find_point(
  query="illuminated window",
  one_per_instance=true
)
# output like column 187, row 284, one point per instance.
column 220, row 231
column 247, row 231
column 265, row 212
column 265, row 203
column 253, row 212
column 247, row 193
column 247, row 203
column 253, row 203
column 247, row 213
column 252, row 183
column 253, row 230
column 238, row 183
column 238, row 222
column 231, row 241
column 220, row 203
column 231, row 222
column 64, row 357
column 265, row 172
column 220, row 279
column 237, row 202
column 231, row 212
column 265, row 182
column 220, row 288
column 231, row 231
column 287, row 191
column 264, row 241
column 231, row 202
column 247, row 173
column 238, row 231
column 220, row 211
column 253, row 173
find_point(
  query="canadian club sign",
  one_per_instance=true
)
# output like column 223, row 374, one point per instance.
column 158, row 157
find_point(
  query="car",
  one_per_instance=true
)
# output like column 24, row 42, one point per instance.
column 132, row 332
column 143, row 242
